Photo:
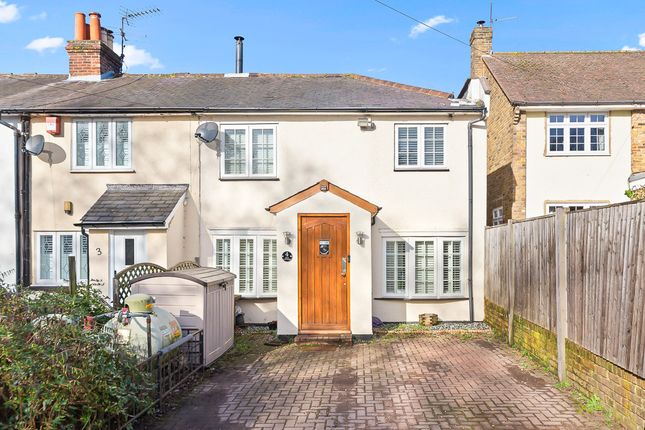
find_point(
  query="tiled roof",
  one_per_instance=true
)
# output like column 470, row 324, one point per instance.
column 134, row 205
column 188, row 92
column 570, row 77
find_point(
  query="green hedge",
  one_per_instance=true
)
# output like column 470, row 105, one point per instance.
column 56, row 374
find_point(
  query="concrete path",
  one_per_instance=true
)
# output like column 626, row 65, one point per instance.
column 439, row 381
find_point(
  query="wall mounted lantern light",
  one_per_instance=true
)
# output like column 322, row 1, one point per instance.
column 360, row 238
column 287, row 237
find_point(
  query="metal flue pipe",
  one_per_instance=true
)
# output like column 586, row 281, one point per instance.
column 239, row 54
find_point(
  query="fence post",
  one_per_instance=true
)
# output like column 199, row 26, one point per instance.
column 561, row 285
column 511, row 281
column 71, row 270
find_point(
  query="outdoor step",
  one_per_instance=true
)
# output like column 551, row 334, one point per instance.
column 326, row 339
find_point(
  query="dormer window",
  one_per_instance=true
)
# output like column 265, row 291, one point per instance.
column 577, row 134
column 102, row 144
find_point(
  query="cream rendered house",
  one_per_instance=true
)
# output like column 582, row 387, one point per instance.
column 333, row 198
column 566, row 129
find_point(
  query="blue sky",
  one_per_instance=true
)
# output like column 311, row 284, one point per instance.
column 324, row 36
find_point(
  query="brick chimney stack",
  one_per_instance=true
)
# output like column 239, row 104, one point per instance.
column 481, row 43
column 90, row 53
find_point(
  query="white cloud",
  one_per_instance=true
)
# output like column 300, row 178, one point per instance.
column 8, row 12
column 629, row 48
column 46, row 44
column 641, row 39
column 431, row 22
column 140, row 57
column 39, row 16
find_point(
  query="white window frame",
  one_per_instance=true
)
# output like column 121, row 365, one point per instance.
column 258, row 274
column 56, row 279
column 438, row 269
column 498, row 215
column 567, row 126
column 249, row 151
column 92, row 167
column 420, row 147
column 571, row 204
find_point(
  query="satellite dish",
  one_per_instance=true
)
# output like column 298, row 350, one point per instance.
column 35, row 145
column 207, row 132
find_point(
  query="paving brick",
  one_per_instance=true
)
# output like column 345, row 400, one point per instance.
column 437, row 382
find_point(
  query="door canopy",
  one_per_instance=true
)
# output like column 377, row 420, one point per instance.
column 324, row 186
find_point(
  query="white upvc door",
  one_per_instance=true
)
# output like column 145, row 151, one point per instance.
column 128, row 248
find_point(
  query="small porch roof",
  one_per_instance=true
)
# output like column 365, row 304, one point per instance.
column 324, row 186
column 134, row 205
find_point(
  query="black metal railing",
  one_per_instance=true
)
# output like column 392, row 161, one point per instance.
column 170, row 367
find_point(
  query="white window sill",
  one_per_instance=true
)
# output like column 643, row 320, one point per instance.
column 102, row 170
column 422, row 298
column 250, row 298
column 577, row 154
column 422, row 169
column 249, row 178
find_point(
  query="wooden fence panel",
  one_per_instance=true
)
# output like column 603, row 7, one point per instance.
column 605, row 277
column 534, row 257
column 496, row 275
column 606, row 283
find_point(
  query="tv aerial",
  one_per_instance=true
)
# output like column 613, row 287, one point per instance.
column 127, row 18
column 494, row 20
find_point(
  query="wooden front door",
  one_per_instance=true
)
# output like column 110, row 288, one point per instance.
column 323, row 256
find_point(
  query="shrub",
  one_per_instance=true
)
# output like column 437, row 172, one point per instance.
column 57, row 375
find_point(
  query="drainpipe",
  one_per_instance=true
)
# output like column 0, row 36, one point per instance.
column 16, row 191
column 26, row 206
column 18, row 177
column 471, row 304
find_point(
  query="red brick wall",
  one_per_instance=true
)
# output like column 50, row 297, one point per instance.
column 92, row 58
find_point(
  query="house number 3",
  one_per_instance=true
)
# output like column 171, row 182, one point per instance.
column 98, row 251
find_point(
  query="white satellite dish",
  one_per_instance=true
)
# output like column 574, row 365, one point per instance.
column 207, row 132
column 35, row 145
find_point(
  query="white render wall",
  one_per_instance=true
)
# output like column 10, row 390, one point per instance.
column 360, row 267
column 599, row 178
column 7, row 200
column 333, row 147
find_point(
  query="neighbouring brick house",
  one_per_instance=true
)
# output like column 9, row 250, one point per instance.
column 565, row 129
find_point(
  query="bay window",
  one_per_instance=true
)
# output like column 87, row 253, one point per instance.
column 252, row 257
column 423, row 267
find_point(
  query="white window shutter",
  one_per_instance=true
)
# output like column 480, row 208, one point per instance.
column 395, row 270
column 223, row 254
column 235, row 151
column 246, row 266
column 424, row 267
column 269, row 266
column 452, row 267
column 262, row 152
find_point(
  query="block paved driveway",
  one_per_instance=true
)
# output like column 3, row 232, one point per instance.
column 439, row 381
